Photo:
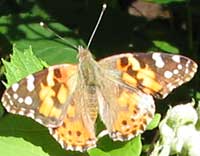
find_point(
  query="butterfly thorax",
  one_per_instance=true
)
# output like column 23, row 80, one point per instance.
column 88, row 67
column 88, row 72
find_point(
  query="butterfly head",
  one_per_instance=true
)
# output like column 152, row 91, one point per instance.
column 84, row 54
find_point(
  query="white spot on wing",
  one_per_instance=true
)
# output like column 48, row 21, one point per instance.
column 186, row 71
column 20, row 100
column 28, row 100
column 170, row 86
column 51, row 131
column 176, row 58
column 15, row 87
column 158, row 60
column 79, row 148
column 180, row 66
column 8, row 108
column 21, row 112
column 69, row 147
column 180, row 82
column 7, row 95
column 31, row 114
column 168, row 74
column 187, row 64
column 91, row 142
column 15, row 96
column 30, row 83
column 50, row 76
column 39, row 120
column 13, row 111
column 55, row 136
column 175, row 71
column 61, row 143
column 130, row 136
column 11, row 102
column 3, row 100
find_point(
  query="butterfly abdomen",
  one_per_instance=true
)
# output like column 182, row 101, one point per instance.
column 91, row 101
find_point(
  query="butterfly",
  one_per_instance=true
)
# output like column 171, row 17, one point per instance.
column 67, row 98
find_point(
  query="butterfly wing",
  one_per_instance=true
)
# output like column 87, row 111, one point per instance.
column 153, row 73
column 124, row 110
column 77, row 133
column 128, row 84
column 42, row 96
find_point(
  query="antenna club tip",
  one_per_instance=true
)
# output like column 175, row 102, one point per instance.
column 104, row 6
column 42, row 24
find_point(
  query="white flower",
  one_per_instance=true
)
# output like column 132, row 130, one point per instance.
column 178, row 134
column 181, row 115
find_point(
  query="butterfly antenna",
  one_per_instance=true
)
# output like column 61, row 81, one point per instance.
column 42, row 24
column 95, row 28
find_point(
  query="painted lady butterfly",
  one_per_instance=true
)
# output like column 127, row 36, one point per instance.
column 67, row 98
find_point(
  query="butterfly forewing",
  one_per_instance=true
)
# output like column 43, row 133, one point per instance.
column 156, row 74
column 42, row 96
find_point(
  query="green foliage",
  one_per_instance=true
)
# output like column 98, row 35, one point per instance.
column 162, row 45
column 45, row 44
column 21, row 64
column 132, row 147
column 154, row 123
column 20, row 135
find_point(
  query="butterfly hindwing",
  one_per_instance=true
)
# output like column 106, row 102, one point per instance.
column 42, row 96
column 125, row 111
column 156, row 74
column 77, row 131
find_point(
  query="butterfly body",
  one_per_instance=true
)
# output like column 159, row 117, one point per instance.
column 67, row 98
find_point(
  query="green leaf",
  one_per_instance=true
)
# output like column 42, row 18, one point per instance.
column 97, row 151
column 154, row 123
column 197, row 95
column 20, row 145
column 109, row 148
column 21, row 65
column 165, row 46
column 21, row 136
column 46, row 45
column 2, row 111
column 133, row 147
